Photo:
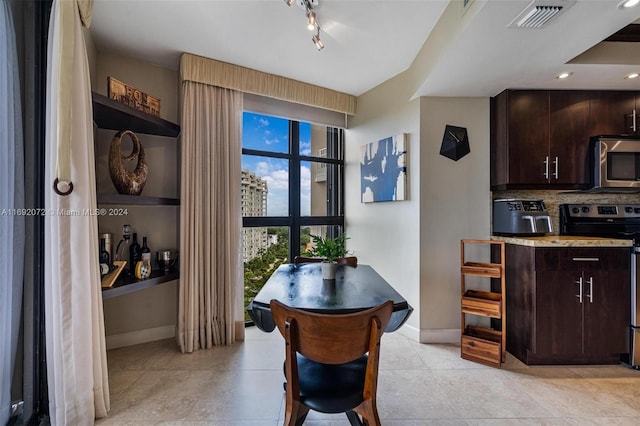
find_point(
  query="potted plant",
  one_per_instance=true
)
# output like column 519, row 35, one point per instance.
column 329, row 249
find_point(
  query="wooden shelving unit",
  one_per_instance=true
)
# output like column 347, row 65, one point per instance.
column 112, row 115
column 482, row 344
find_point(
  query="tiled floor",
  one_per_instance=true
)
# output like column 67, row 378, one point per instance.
column 419, row 384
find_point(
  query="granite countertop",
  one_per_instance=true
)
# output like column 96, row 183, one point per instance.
column 564, row 241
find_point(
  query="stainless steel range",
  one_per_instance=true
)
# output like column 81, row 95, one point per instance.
column 611, row 221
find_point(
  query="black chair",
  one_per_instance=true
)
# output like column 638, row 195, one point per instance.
column 331, row 363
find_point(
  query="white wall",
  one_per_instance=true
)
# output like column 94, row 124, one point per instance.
column 415, row 244
column 454, row 204
column 386, row 235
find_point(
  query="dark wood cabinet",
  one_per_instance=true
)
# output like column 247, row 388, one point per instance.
column 568, row 305
column 540, row 139
column 612, row 112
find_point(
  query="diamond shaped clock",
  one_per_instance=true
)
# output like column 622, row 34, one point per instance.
column 455, row 142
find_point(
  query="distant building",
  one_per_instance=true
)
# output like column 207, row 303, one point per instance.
column 254, row 203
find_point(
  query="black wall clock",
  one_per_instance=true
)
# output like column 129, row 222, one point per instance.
column 455, row 142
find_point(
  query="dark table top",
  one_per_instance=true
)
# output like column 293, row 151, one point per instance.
column 301, row 286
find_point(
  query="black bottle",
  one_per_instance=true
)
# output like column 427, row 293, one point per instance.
column 134, row 254
column 105, row 260
column 145, row 251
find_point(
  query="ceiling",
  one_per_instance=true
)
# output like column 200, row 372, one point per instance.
column 450, row 50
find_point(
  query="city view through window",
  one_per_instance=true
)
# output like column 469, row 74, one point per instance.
column 290, row 189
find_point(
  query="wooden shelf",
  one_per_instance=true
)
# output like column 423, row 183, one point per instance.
column 137, row 200
column 480, row 344
column 482, row 303
column 126, row 285
column 492, row 270
column 112, row 115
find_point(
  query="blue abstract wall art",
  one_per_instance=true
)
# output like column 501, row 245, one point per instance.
column 383, row 170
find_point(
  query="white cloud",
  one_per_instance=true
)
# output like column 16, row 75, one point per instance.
column 305, row 179
column 263, row 122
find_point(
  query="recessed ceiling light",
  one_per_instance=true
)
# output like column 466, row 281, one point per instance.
column 566, row 74
column 633, row 74
column 629, row 3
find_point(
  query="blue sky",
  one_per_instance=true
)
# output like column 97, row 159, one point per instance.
column 267, row 133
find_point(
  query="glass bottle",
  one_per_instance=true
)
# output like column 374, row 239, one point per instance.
column 122, row 252
column 134, row 253
column 105, row 261
column 145, row 254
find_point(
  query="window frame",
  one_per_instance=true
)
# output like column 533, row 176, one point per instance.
column 335, row 180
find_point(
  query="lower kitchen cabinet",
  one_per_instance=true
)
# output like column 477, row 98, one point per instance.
column 568, row 305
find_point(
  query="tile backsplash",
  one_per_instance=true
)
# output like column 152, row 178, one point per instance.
column 552, row 199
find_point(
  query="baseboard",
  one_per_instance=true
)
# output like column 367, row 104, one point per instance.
column 451, row 335
column 140, row 336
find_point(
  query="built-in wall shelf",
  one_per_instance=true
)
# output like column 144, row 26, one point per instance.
column 126, row 285
column 136, row 200
column 113, row 115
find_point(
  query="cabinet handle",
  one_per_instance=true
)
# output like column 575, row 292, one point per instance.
column 586, row 259
column 555, row 174
column 546, row 167
column 634, row 121
column 579, row 295
column 590, row 295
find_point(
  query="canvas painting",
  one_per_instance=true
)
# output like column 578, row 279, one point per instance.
column 383, row 170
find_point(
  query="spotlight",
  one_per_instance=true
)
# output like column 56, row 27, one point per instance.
column 316, row 40
column 564, row 75
column 288, row 2
column 311, row 20
column 632, row 75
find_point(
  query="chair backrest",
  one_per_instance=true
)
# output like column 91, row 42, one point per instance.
column 332, row 339
column 348, row 260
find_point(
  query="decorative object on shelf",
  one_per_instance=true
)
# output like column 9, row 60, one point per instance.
column 143, row 269
column 126, row 182
column 166, row 260
column 108, row 280
column 383, row 170
column 455, row 142
column 128, row 95
column 329, row 249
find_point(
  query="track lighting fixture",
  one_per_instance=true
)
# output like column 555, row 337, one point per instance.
column 316, row 40
column 312, row 19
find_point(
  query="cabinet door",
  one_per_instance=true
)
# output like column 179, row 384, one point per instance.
column 569, row 137
column 607, row 312
column 610, row 112
column 528, row 136
column 558, row 314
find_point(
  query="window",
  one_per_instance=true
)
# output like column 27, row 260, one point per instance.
column 292, row 187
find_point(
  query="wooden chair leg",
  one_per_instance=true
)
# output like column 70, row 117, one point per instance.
column 369, row 413
column 295, row 414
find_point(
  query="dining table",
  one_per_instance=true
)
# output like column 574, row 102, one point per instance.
column 301, row 286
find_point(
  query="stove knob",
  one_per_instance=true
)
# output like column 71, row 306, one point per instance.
column 636, row 210
column 585, row 209
column 628, row 209
column 575, row 210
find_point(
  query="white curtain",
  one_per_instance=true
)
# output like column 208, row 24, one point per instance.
column 11, row 197
column 75, row 342
column 210, row 216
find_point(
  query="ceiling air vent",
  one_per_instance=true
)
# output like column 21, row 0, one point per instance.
column 538, row 13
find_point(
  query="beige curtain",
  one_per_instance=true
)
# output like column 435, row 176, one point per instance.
column 210, row 216
column 76, row 352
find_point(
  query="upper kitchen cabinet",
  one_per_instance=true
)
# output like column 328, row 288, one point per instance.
column 614, row 113
column 540, row 139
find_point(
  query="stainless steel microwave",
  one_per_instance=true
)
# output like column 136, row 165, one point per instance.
column 616, row 162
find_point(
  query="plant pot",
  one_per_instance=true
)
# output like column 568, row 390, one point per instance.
column 329, row 270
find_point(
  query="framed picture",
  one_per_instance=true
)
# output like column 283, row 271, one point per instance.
column 383, row 170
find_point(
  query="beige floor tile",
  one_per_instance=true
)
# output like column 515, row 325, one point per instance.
column 419, row 384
